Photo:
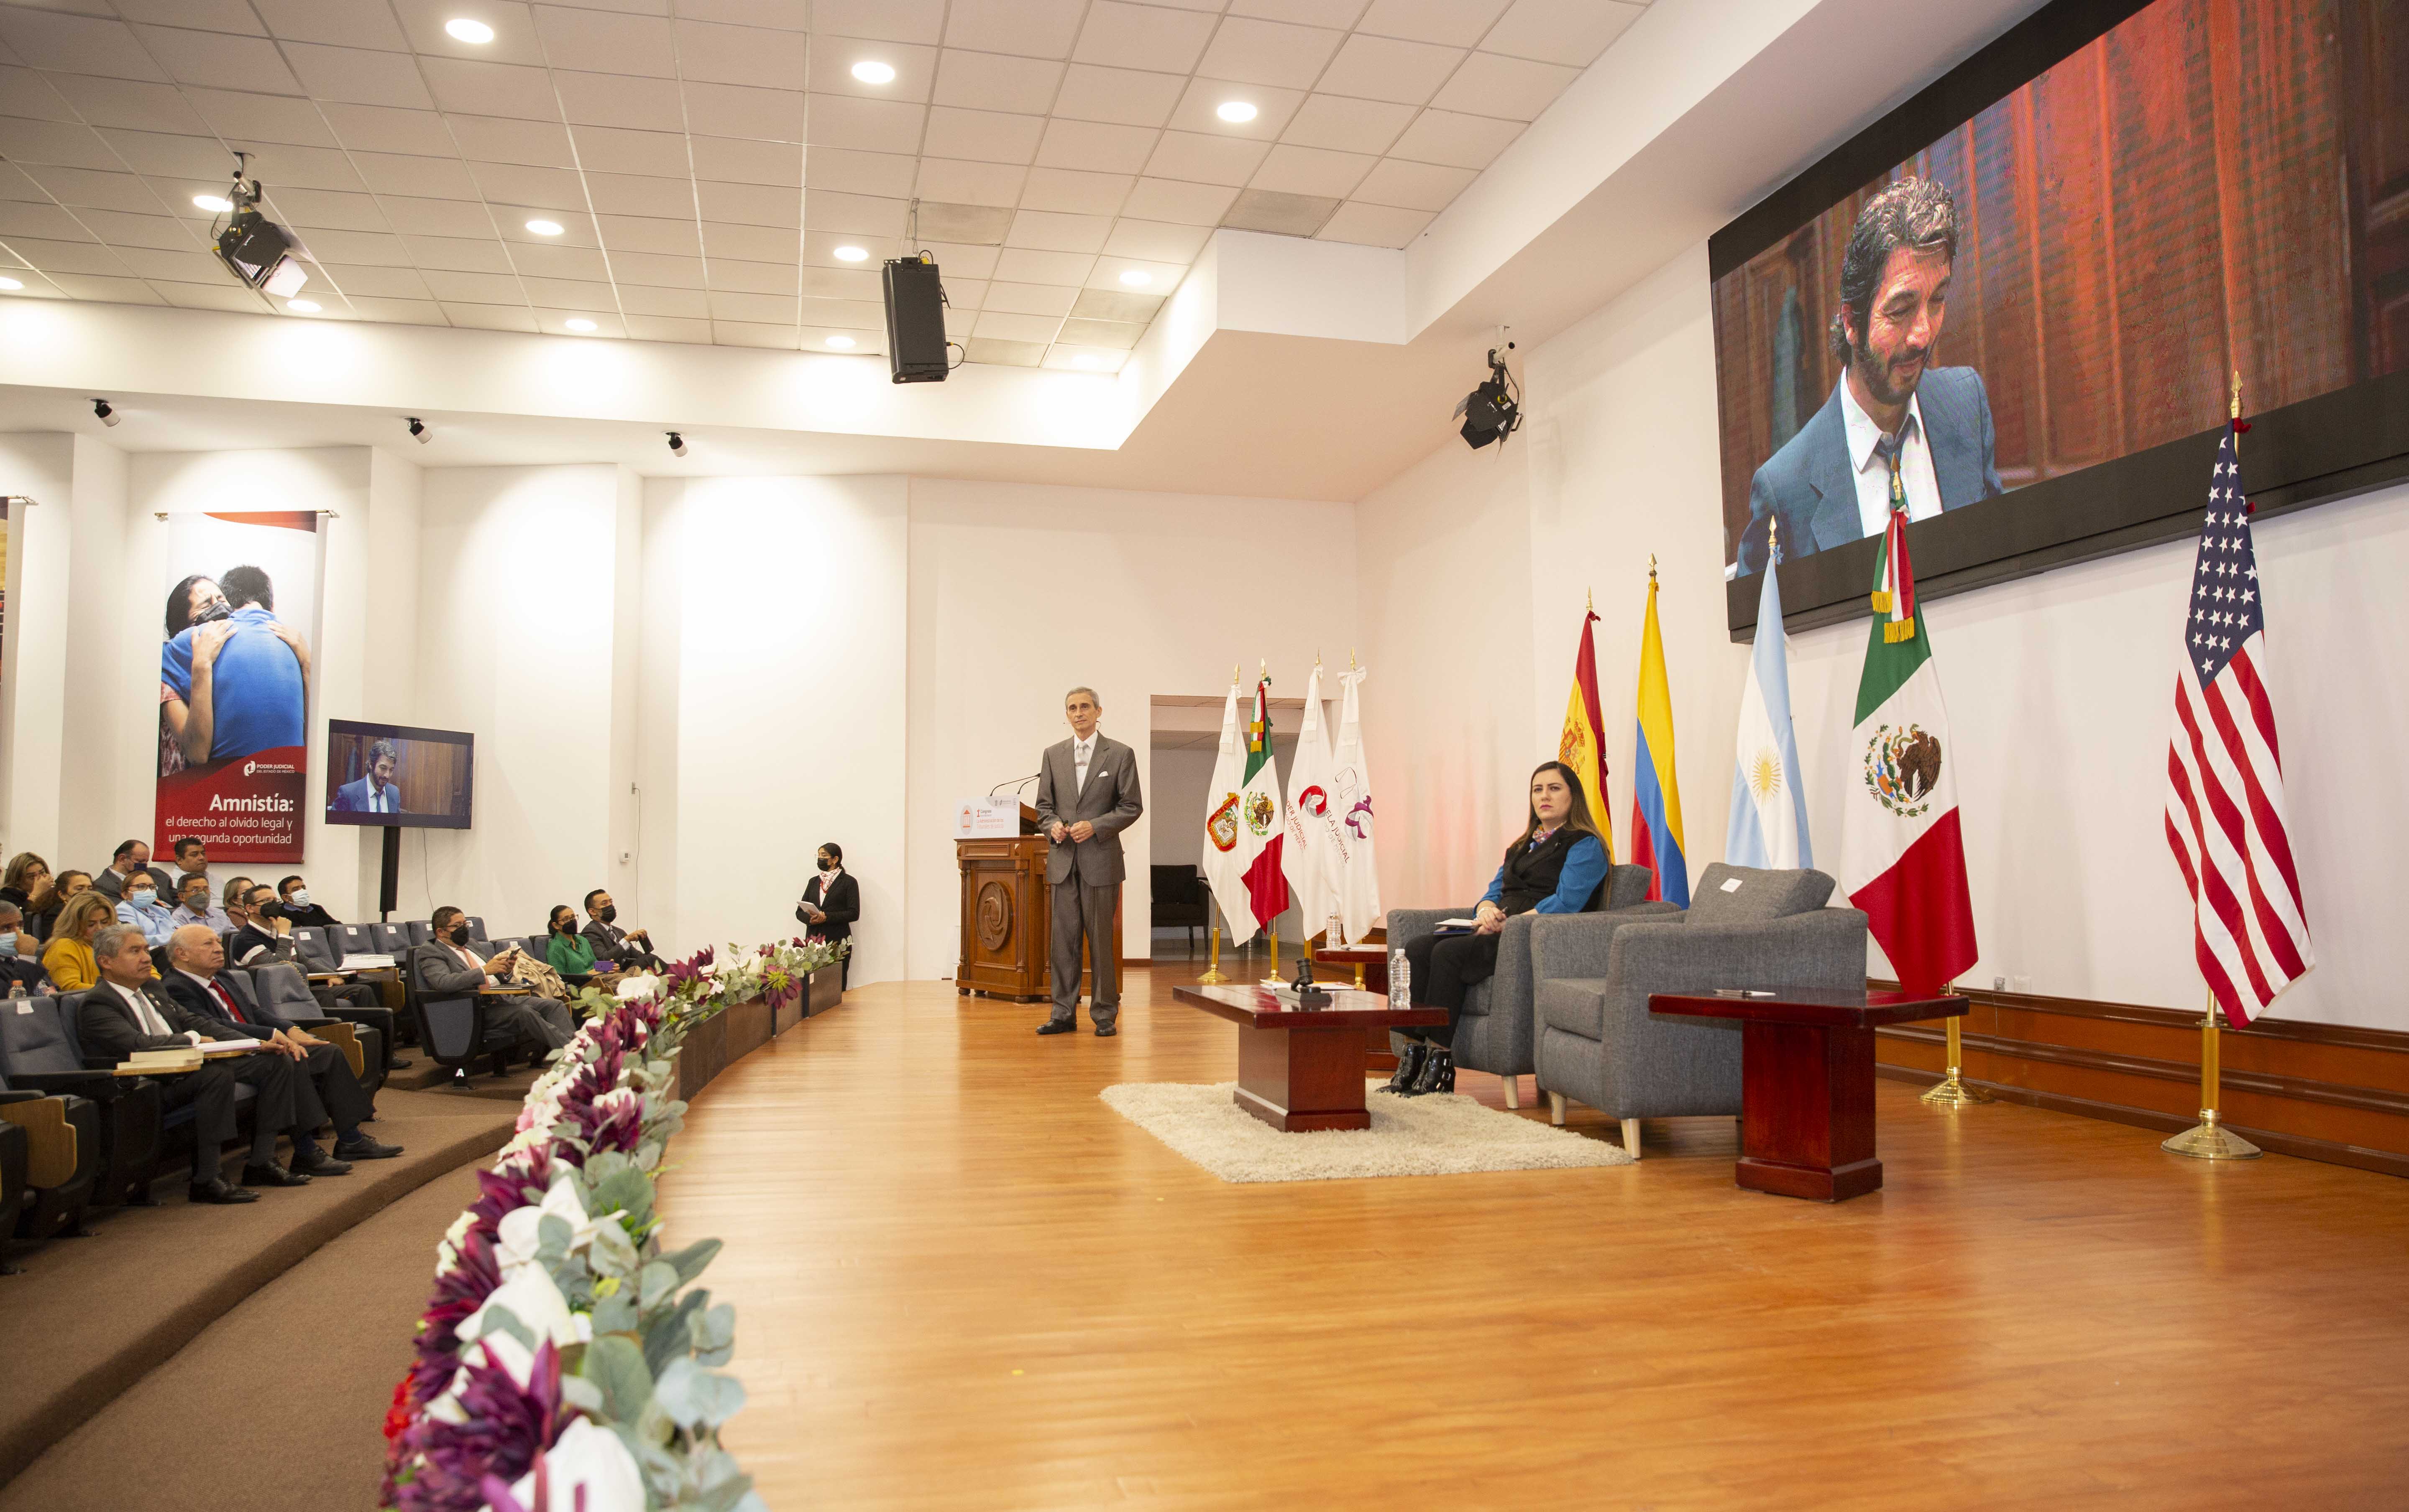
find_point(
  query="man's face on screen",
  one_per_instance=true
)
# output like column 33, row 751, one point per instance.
column 1903, row 326
column 382, row 771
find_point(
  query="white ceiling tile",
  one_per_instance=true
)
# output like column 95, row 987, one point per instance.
column 613, row 100
column 1154, row 241
column 677, row 302
column 1215, row 160
column 244, row 119
column 311, row 209
column 735, row 160
column 630, row 194
column 635, row 233
column 1515, row 88
column 549, row 189
column 1029, row 28
column 68, row 256
column 1311, row 170
column 26, row 93
column 221, row 61
column 62, row 144
column 420, row 216
column 597, row 42
column 19, row 218
column 76, row 44
column 832, row 60
column 762, row 308
column 535, row 144
column 1095, row 147
column 1081, row 193
column 351, row 24
column 819, row 251
column 992, row 81
column 1052, row 231
column 1124, row 96
column 514, row 36
column 952, row 182
column 490, row 317
column 1386, row 68
column 964, row 294
column 475, row 288
column 1459, row 141
column 397, row 311
column 854, row 214
column 887, row 20
column 307, row 167
column 569, row 293
column 121, row 229
column 888, row 175
column 1002, row 326
column 174, row 193
column 784, row 15
column 1373, row 225
column 1413, row 186
column 361, row 282
column 1023, row 265
column 752, row 278
column 459, row 254
column 373, row 128
column 754, row 55
column 750, row 204
column 206, row 15
column 537, row 259
column 996, row 352
column 654, row 269
column 1346, row 125
column 728, row 333
column 752, row 243
column 863, row 345
column 491, row 89
column 1338, row 13
column 775, row 115
column 1199, row 110
column 117, row 102
column 1107, row 273
column 664, row 328
column 1456, row 24
column 982, row 135
column 1178, row 204
column 855, row 283
column 1052, row 299
column 228, row 295
column 102, row 190
column 1269, row 52
column 612, row 149
column 1569, row 32
column 1118, row 35
column 602, row 320
column 866, row 125
column 187, row 265
column 1084, row 359
column 1110, row 317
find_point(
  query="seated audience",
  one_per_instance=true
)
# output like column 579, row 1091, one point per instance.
column 264, row 935
column 1557, row 865
column 194, row 905
column 18, row 963
column 294, row 894
column 28, row 884
column 45, row 918
column 130, row 1012
column 192, row 860
column 234, row 897
column 140, row 907
column 630, row 949
column 449, row 966
column 564, row 950
column 133, row 856
column 831, row 902
column 69, row 955
column 330, row 1090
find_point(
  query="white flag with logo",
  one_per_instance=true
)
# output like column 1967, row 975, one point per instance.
column 1354, row 874
column 1308, row 856
column 1225, row 859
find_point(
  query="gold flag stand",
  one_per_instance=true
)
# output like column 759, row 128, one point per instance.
column 2209, row 1140
column 1950, row 1091
column 1213, row 977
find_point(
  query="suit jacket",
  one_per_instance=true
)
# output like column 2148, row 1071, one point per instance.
column 1810, row 487
column 257, row 1022
column 611, row 943
column 841, row 901
column 109, row 1033
column 113, row 886
column 1111, row 801
column 353, row 798
column 441, row 972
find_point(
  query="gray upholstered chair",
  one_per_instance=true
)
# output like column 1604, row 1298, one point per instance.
column 1598, row 1043
column 1494, row 1033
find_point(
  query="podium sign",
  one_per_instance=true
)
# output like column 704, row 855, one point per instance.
column 986, row 818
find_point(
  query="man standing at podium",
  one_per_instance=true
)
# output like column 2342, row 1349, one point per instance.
column 1086, row 795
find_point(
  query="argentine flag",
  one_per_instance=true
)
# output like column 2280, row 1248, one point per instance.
column 1768, row 806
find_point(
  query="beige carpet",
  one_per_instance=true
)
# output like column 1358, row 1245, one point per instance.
column 1417, row 1137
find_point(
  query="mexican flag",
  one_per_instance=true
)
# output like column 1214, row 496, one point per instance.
column 1244, row 818
column 1264, row 812
column 1902, row 858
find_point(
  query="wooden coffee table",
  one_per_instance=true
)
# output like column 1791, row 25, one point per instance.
column 1807, row 1084
column 1303, row 1069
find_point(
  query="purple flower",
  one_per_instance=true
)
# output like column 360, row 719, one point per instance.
column 506, row 1429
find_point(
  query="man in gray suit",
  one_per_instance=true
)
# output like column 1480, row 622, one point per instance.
column 450, row 967
column 1086, row 795
column 1896, row 432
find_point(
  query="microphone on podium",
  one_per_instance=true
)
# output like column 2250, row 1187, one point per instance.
column 1000, row 788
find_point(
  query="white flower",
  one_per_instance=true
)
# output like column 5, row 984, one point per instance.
column 632, row 987
column 528, row 1295
column 447, row 1254
column 521, row 1228
column 590, row 1459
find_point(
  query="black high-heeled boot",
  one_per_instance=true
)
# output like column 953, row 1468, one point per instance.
column 1409, row 1065
column 1437, row 1069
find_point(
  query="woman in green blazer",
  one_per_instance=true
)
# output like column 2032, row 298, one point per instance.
column 568, row 952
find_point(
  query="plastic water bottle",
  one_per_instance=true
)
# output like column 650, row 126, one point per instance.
column 1401, row 981
column 16, row 989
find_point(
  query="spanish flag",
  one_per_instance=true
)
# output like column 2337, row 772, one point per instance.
column 1580, row 748
column 1656, row 793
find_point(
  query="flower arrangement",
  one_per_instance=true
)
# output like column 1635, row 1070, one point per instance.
column 565, row 1359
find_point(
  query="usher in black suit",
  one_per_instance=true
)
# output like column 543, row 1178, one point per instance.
column 839, row 899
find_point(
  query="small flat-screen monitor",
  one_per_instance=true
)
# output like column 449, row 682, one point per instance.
column 398, row 775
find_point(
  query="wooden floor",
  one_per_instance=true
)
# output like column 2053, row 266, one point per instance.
column 962, row 1281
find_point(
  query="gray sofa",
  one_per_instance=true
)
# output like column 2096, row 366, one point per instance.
column 1597, row 1044
column 1495, row 1032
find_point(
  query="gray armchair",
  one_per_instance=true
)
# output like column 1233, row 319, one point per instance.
column 1495, row 1031
column 1597, row 1043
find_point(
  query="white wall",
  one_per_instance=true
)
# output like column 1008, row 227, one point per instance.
column 38, row 466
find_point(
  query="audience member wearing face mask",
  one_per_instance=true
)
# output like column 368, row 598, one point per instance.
column 194, row 905
column 132, row 858
column 140, row 907
column 18, row 965
column 449, row 966
column 630, row 949
column 294, row 893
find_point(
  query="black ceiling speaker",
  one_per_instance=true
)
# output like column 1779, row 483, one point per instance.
column 1492, row 412
column 915, row 321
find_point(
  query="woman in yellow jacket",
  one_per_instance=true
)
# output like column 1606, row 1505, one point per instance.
column 69, row 955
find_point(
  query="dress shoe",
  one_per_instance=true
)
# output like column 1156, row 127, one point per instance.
column 215, row 1190
column 364, row 1148
column 1409, row 1065
column 1106, row 1031
column 1065, row 1026
column 400, row 1064
column 312, row 1161
column 273, row 1174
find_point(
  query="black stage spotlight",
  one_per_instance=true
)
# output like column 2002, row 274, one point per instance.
column 101, row 410
column 677, row 444
column 418, row 431
column 1494, row 410
column 256, row 249
column 915, row 321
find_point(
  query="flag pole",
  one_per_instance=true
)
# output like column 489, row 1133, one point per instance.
column 2209, row 1140
column 1951, row 1092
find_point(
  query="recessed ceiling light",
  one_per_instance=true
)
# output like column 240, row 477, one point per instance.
column 11, row 283
column 470, row 30
column 578, row 323
column 1236, row 111
column 544, row 228
column 850, row 254
column 871, row 71
column 842, row 343
column 214, row 204
column 1137, row 278
column 302, row 306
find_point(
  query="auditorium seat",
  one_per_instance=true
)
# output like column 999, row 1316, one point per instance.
column 16, row 1189
column 316, row 951
column 174, row 1122
column 358, row 940
column 281, row 989
column 416, row 933
column 453, row 1032
column 62, row 1160
column 476, row 928
column 39, row 1052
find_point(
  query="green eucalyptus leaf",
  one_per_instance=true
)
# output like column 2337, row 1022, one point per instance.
column 669, row 1337
column 616, row 1313
column 655, row 1283
column 616, row 1367
column 613, row 1253
column 695, row 1397
column 585, row 1395
column 714, row 1334
column 690, row 1260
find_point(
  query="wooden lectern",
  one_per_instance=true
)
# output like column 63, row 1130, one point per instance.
column 1007, row 924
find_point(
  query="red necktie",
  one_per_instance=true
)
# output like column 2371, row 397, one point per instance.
column 227, row 999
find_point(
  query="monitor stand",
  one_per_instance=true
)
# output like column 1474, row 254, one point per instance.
column 389, row 885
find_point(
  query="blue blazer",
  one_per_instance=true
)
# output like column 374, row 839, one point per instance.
column 1810, row 484
column 353, row 797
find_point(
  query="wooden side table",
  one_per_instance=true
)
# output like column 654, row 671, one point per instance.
column 1302, row 1068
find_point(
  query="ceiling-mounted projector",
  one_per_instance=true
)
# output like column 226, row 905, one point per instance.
column 256, row 249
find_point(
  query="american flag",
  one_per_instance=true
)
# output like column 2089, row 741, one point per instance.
column 2225, row 810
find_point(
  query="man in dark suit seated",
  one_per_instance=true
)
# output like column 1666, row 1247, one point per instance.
column 450, row 967
column 263, row 936
column 1896, row 432
column 132, row 857
column 128, row 1012
column 330, row 1091
column 632, row 949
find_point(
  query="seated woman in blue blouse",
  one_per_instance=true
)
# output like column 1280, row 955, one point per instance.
column 1557, row 865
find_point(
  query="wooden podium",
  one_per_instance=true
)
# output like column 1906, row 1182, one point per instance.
column 1007, row 923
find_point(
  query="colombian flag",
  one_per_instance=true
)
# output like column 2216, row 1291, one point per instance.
column 1580, row 747
column 1656, row 794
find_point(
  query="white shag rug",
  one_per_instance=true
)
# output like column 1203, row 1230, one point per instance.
column 1433, row 1135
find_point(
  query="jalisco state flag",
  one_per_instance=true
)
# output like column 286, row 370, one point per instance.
column 1656, row 840
column 1581, row 746
column 1307, row 853
column 1768, row 802
column 1225, row 863
column 1902, row 858
column 1357, row 876
column 1263, row 815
